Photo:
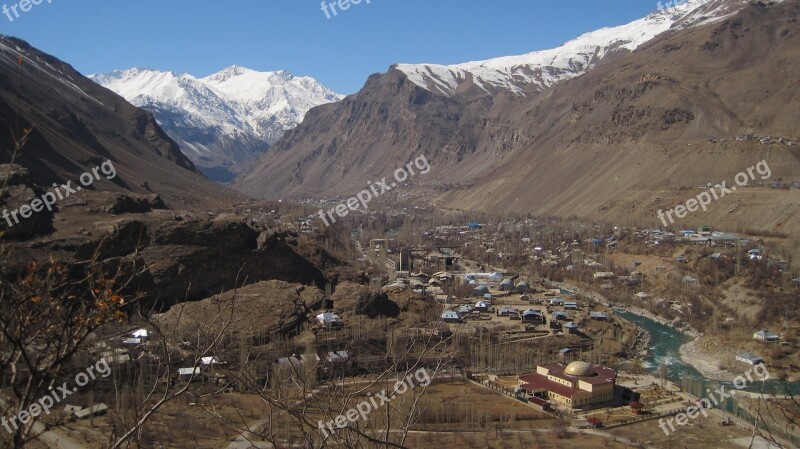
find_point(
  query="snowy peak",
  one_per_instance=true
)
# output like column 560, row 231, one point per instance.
column 275, row 101
column 547, row 67
column 233, row 98
column 225, row 119
column 250, row 86
column 229, row 72
column 156, row 91
column 236, row 71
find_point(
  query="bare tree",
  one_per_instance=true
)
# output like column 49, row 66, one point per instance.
column 376, row 411
column 48, row 314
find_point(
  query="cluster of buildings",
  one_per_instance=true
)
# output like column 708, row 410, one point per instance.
column 763, row 140
column 702, row 236
column 764, row 336
column 560, row 314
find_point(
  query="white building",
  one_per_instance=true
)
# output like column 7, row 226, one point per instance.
column 766, row 335
column 749, row 358
column 328, row 319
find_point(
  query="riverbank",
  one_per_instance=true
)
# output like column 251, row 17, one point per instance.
column 706, row 364
column 684, row 328
column 641, row 343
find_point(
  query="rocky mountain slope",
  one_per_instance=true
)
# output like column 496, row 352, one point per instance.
column 77, row 125
column 620, row 141
column 222, row 122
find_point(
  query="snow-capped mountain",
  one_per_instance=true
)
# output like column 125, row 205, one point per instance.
column 534, row 148
column 544, row 68
column 224, row 121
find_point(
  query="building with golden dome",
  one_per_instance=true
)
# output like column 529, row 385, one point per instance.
column 577, row 385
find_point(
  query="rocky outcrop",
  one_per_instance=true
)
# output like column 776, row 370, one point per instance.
column 132, row 204
column 16, row 191
column 198, row 258
column 263, row 309
column 167, row 256
column 354, row 299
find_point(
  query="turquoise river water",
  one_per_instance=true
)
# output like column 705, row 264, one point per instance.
column 665, row 343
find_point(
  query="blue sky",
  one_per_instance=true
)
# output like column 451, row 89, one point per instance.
column 203, row 36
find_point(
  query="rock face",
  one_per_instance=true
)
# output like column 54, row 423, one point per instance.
column 133, row 204
column 167, row 255
column 198, row 258
column 16, row 190
column 261, row 309
column 354, row 299
column 13, row 175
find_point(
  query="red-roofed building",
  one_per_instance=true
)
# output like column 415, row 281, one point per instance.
column 576, row 385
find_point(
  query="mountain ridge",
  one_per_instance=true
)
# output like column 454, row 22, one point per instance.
column 629, row 117
column 543, row 68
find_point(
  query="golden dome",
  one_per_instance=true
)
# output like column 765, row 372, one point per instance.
column 579, row 369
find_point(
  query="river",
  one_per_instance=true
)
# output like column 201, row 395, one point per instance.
column 665, row 344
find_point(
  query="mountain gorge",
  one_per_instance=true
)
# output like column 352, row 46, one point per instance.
column 222, row 122
column 585, row 129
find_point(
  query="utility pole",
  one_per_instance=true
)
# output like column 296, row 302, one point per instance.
column 738, row 255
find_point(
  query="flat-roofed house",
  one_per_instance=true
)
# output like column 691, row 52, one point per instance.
column 480, row 290
column 571, row 328
column 532, row 316
column 329, row 320
column 188, row 373
column 141, row 334
column 766, row 335
column 506, row 311
column 465, row 310
column 483, row 306
column 750, row 358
